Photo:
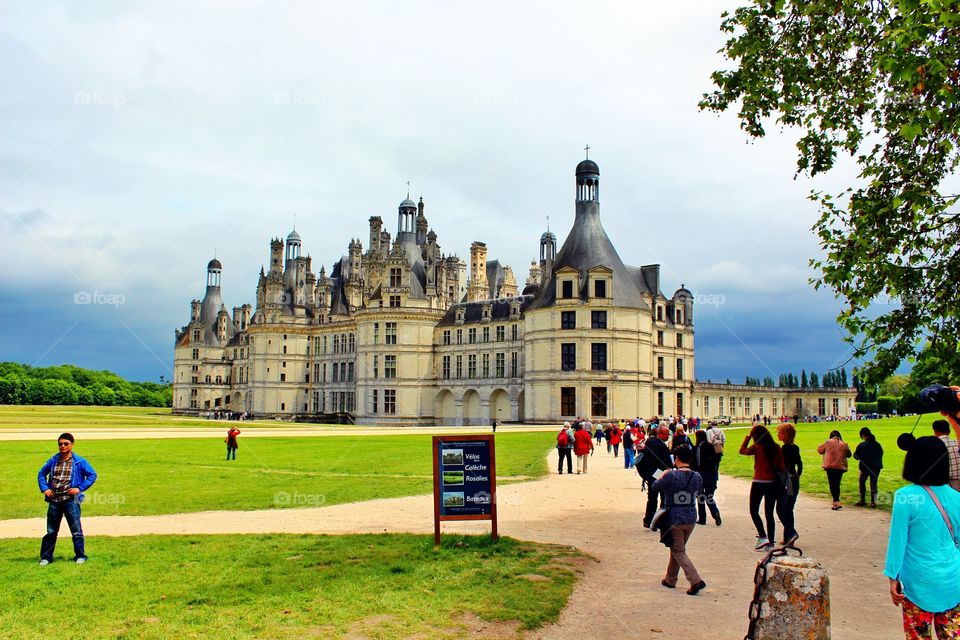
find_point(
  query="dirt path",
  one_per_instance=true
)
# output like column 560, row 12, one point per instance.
column 619, row 596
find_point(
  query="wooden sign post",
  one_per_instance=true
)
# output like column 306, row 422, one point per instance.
column 464, row 480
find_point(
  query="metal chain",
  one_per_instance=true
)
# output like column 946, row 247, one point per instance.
column 759, row 580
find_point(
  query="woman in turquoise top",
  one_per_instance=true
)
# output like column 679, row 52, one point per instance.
column 923, row 560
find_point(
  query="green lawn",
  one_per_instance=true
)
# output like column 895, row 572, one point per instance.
column 33, row 417
column 282, row 586
column 152, row 476
column 812, row 435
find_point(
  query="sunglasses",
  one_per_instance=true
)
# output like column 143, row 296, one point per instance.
column 64, row 444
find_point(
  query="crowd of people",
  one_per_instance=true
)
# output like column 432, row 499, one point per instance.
column 679, row 461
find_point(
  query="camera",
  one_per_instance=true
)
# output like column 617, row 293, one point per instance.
column 937, row 397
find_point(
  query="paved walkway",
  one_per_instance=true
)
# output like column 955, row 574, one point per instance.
column 619, row 596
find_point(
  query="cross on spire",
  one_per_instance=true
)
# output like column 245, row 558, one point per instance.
column 587, row 149
column 548, row 223
column 408, row 189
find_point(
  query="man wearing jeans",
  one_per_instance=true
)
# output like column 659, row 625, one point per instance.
column 63, row 479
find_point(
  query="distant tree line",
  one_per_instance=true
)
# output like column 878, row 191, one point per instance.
column 901, row 392
column 70, row 385
column 832, row 378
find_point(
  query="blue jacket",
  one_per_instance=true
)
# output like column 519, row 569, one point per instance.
column 82, row 478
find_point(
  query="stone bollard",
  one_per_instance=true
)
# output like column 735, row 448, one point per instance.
column 794, row 601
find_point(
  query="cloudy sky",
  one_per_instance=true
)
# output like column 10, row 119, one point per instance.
column 138, row 139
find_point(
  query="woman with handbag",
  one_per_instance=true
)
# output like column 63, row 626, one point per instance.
column 835, row 453
column 679, row 488
column 923, row 552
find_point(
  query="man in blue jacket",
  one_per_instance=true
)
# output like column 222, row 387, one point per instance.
column 63, row 479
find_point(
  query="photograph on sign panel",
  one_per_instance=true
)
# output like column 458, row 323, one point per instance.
column 452, row 477
column 452, row 457
column 453, row 499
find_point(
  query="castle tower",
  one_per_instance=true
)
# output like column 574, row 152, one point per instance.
column 406, row 221
column 276, row 257
column 548, row 252
column 478, row 288
column 214, row 270
column 421, row 224
column 376, row 227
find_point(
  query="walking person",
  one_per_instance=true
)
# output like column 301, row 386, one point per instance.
column 582, row 447
column 615, row 437
column 706, row 463
column 923, row 552
column 656, row 459
column 793, row 465
column 766, row 488
column 599, row 434
column 565, row 448
column 835, row 453
column 231, row 441
column 680, row 488
column 870, row 454
column 629, row 448
column 63, row 479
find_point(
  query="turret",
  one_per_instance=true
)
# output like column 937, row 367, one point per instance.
column 477, row 289
column 276, row 257
column 376, row 228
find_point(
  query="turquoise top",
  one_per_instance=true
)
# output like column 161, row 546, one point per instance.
column 921, row 552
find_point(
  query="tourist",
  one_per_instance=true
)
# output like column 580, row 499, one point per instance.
column 680, row 488
column 835, row 453
column 705, row 462
column 565, row 441
column 231, row 441
column 941, row 429
column 656, row 459
column 582, row 447
column 793, row 466
column 493, row 425
column 599, row 433
column 766, row 488
column 615, row 439
column 628, row 447
column 717, row 437
column 680, row 439
column 63, row 479
column 870, row 454
column 923, row 558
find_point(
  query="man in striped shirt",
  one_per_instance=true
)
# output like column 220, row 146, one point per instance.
column 62, row 480
column 941, row 429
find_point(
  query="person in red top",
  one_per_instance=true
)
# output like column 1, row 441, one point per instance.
column 231, row 441
column 766, row 486
column 582, row 447
column 615, row 438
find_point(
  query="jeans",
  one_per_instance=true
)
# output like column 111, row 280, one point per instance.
column 834, row 476
column 770, row 493
column 785, row 509
column 616, row 450
column 565, row 452
column 864, row 475
column 628, row 457
column 56, row 511
column 231, row 451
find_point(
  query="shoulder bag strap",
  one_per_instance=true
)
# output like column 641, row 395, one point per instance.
column 943, row 513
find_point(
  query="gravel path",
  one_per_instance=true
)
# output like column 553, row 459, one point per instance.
column 619, row 595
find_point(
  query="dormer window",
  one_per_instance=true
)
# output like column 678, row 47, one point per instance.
column 679, row 317
column 566, row 289
column 599, row 288
column 395, row 277
column 659, row 313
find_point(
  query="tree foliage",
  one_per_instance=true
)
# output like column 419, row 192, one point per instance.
column 878, row 81
column 69, row 385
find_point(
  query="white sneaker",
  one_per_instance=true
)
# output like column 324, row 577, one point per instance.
column 44, row 562
column 762, row 544
column 81, row 560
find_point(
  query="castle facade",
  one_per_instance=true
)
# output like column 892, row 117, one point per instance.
column 401, row 333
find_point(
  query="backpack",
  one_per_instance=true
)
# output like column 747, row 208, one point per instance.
column 717, row 439
column 562, row 439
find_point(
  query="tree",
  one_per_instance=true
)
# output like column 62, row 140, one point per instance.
column 814, row 381
column 877, row 81
column 803, row 378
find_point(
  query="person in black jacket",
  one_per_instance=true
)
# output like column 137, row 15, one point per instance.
column 870, row 454
column 656, row 457
column 793, row 466
column 707, row 464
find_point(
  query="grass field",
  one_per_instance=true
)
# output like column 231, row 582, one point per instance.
column 145, row 477
column 34, row 417
column 812, row 435
column 282, row 586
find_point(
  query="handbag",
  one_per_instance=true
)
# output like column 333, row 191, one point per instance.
column 946, row 518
